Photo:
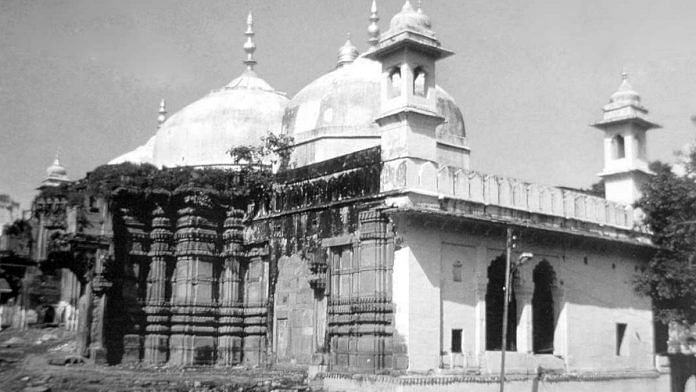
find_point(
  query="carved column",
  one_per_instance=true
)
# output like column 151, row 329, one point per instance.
column 231, row 321
column 133, row 287
column 156, row 306
column 371, row 340
column 100, row 285
column 194, row 306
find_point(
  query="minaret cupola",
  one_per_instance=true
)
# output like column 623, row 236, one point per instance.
column 56, row 175
column 625, row 124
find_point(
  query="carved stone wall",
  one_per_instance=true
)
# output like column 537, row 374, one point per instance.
column 156, row 300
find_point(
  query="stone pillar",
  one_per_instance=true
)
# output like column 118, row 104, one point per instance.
column 156, row 306
column 560, row 340
column 255, row 307
column 231, row 321
column 194, row 306
column 370, row 347
column 132, row 287
column 98, row 311
column 69, row 297
column 525, row 343
column 480, row 288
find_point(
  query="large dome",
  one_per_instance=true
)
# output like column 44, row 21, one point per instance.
column 344, row 103
column 238, row 114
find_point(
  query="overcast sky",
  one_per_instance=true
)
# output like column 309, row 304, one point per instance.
column 86, row 76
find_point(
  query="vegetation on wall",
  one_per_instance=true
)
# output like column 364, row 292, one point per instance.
column 669, row 205
column 250, row 178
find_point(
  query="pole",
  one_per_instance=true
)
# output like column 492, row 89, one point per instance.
column 506, row 296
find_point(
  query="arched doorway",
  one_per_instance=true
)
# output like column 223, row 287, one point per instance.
column 543, row 313
column 495, row 293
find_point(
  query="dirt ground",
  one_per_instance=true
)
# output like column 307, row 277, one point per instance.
column 34, row 360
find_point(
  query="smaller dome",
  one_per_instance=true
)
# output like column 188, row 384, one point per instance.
column 410, row 19
column 347, row 53
column 56, row 170
column 625, row 93
column 55, row 175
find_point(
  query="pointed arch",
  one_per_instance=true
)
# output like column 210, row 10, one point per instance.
column 394, row 82
column 618, row 147
column 543, row 312
column 420, row 88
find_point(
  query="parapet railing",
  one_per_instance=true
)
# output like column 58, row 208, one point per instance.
column 510, row 193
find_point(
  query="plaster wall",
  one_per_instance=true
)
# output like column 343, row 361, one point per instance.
column 590, row 299
column 624, row 187
column 327, row 147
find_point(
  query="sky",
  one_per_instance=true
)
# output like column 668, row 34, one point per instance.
column 84, row 77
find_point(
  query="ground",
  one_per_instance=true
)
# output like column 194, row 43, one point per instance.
column 34, row 360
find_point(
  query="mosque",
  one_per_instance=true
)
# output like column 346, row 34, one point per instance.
column 379, row 250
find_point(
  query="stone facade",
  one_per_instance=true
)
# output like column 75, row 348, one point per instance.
column 382, row 260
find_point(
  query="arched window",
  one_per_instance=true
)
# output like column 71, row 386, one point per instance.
column 394, row 82
column 543, row 316
column 419, row 88
column 618, row 149
column 494, row 308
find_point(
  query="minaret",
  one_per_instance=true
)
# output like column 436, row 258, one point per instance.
column 408, row 116
column 373, row 29
column 162, row 116
column 625, row 123
column 249, row 45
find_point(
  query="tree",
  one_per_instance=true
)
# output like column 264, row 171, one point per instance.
column 669, row 205
column 274, row 149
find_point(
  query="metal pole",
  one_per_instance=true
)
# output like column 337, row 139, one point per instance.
column 506, row 296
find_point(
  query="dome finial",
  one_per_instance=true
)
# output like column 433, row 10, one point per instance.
column 373, row 29
column 162, row 117
column 249, row 45
column 625, row 93
column 347, row 53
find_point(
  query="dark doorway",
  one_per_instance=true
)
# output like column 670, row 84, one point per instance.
column 494, row 308
column 543, row 315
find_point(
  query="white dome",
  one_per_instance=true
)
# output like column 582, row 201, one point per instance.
column 343, row 104
column 142, row 154
column 238, row 114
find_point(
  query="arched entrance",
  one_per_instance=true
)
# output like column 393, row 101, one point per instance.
column 543, row 313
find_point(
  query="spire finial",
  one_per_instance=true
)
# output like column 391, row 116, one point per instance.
column 420, row 5
column 373, row 29
column 249, row 45
column 162, row 117
column 407, row 7
column 624, row 75
column 56, row 161
column 347, row 53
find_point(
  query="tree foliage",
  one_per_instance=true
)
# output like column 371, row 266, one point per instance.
column 669, row 205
